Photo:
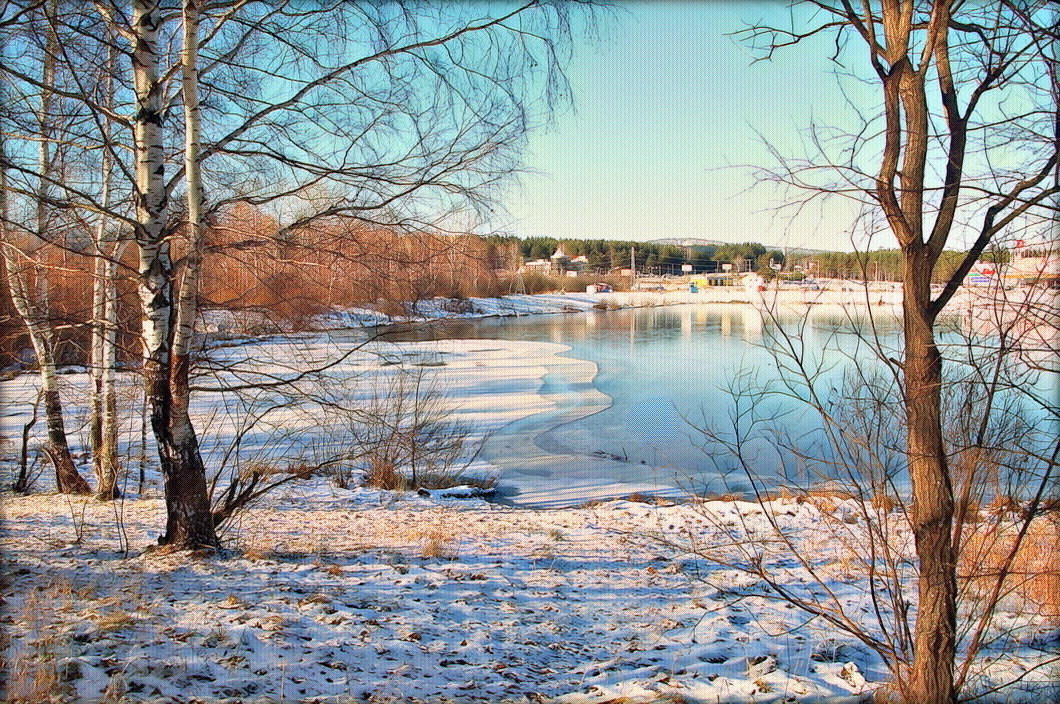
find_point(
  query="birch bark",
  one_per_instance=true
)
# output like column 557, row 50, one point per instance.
column 28, row 282
column 189, row 523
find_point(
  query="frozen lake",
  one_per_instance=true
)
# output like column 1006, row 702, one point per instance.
column 660, row 374
column 580, row 406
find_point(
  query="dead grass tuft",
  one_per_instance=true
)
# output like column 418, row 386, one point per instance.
column 885, row 503
column 730, row 498
column 36, row 673
column 331, row 569
column 1033, row 583
column 1003, row 504
column 440, row 547
column 256, row 553
column 437, row 544
column 114, row 621
column 384, row 475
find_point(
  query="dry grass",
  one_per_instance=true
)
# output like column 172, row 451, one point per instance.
column 35, row 675
column 1033, row 583
column 385, row 476
column 114, row 621
column 885, row 503
column 827, row 499
column 436, row 543
column 256, row 553
column 440, row 546
column 733, row 497
column 446, row 479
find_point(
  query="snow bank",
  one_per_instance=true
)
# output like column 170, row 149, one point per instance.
column 539, row 304
column 511, row 305
column 333, row 596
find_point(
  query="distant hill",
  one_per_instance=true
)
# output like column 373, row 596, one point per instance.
column 696, row 242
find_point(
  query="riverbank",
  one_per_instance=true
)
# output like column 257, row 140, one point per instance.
column 833, row 294
column 340, row 595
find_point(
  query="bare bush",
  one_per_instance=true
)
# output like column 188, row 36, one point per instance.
column 406, row 439
column 390, row 428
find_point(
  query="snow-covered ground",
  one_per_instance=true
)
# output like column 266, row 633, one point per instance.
column 327, row 594
column 355, row 595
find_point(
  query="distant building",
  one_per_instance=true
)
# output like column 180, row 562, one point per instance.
column 1034, row 266
column 559, row 264
column 562, row 264
column 538, row 266
column 1028, row 266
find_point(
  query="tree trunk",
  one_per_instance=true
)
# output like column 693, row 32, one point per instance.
column 108, row 448
column 67, row 478
column 189, row 524
column 32, row 306
column 931, row 676
column 104, row 421
column 95, row 427
column 189, row 521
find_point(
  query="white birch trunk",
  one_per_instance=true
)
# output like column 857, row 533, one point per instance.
column 189, row 288
column 105, row 328
column 30, row 295
column 155, row 265
column 189, row 523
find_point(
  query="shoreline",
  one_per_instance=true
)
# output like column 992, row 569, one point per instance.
column 227, row 325
column 337, row 595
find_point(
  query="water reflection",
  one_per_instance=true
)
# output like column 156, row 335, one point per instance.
column 672, row 370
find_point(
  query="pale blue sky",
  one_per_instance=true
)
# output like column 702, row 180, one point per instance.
column 665, row 101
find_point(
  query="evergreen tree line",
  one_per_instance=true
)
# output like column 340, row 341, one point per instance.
column 657, row 258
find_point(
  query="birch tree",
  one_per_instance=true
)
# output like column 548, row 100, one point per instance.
column 400, row 114
column 109, row 246
column 25, row 245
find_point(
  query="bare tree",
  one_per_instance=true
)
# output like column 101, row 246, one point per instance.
column 849, row 466
column 109, row 245
column 944, row 158
column 403, row 115
column 26, row 265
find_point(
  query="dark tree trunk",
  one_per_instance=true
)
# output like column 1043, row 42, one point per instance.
column 189, row 522
column 67, row 478
column 931, row 677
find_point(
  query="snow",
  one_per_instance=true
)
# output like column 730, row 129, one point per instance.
column 828, row 294
column 336, row 595
column 343, row 595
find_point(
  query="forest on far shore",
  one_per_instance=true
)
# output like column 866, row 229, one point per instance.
column 290, row 277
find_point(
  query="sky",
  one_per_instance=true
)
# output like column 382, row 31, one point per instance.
column 670, row 115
